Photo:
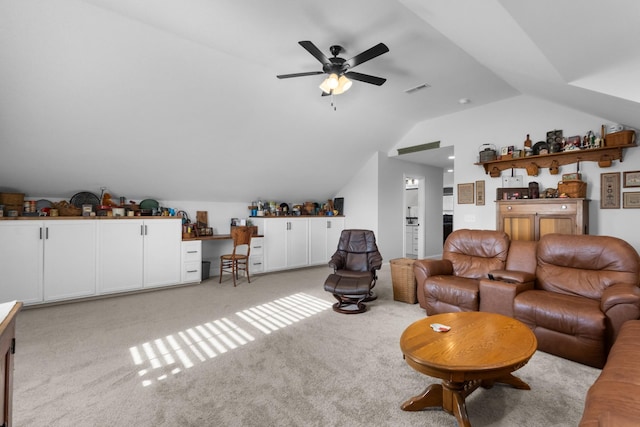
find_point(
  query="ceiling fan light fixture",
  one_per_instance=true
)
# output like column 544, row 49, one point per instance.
column 343, row 85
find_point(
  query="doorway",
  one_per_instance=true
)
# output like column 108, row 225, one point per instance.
column 413, row 205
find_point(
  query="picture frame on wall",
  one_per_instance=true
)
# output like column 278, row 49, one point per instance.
column 466, row 193
column 631, row 200
column 631, row 179
column 479, row 193
column 610, row 190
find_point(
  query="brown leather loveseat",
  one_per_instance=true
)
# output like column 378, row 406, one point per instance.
column 574, row 292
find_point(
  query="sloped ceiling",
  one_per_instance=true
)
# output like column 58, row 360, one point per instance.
column 178, row 100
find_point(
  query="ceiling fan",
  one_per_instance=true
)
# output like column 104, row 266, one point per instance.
column 339, row 69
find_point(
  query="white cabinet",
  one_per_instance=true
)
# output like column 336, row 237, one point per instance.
column 286, row 242
column 138, row 253
column 191, row 261
column 256, row 255
column 21, row 261
column 120, row 255
column 324, row 234
column 162, row 243
column 47, row 260
column 69, row 259
column 411, row 240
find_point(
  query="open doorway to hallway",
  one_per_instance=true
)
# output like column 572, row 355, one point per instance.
column 414, row 216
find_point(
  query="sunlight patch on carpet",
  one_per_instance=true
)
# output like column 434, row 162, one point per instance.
column 162, row 358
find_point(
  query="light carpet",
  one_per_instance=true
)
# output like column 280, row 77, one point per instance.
column 266, row 353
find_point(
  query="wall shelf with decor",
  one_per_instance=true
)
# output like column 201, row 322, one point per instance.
column 604, row 156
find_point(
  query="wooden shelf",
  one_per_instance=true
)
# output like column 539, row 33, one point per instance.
column 604, row 156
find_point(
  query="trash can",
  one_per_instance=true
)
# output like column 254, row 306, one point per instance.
column 206, row 266
column 403, row 279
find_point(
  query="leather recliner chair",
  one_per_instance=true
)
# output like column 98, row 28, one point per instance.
column 354, row 271
column 451, row 283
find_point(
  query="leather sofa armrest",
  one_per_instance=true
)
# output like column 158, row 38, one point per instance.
column 496, row 296
column 620, row 302
column 511, row 276
column 424, row 268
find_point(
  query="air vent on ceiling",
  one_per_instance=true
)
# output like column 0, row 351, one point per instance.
column 417, row 88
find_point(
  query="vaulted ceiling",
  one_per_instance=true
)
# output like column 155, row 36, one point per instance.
column 178, row 100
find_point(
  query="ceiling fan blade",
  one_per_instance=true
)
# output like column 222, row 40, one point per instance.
column 313, row 50
column 368, row 54
column 378, row 81
column 308, row 73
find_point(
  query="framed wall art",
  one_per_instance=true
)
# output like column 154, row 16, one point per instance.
column 631, row 200
column 465, row 194
column 480, row 193
column 610, row 190
column 631, row 179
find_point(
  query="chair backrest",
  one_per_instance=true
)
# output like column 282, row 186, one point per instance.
column 241, row 236
column 357, row 251
column 474, row 253
column 584, row 265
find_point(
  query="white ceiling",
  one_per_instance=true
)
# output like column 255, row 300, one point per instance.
column 178, row 100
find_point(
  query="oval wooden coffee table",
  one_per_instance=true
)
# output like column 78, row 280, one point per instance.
column 481, row 349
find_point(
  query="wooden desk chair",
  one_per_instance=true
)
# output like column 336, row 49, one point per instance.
column 238, row 259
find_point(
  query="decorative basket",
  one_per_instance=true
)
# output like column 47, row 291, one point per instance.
column 403, row 279
column 575, row 189
column 12, row 202
column 66, row 209
column 624, row 137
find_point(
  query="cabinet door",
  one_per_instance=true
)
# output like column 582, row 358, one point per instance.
column 556, row 224
column 162, row 247
column 334, row 230
column 298, row 243
column 519, row 227
column 318, row 241
column 21, row 261
column 69, row 259
column 120, row 251
column 275, row 233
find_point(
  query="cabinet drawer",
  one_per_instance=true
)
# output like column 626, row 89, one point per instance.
column 256, row 264
column 257, row 246
column 191, row 251
column 559, row 208
column 192, row 272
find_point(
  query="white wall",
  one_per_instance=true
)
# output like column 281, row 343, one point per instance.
column 508, row 123
column 361, row 197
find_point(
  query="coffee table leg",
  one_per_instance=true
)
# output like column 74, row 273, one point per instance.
column 430, row 397
column 508, row 379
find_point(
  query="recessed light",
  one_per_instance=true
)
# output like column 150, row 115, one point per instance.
column 449, row 170
column 451, row 157
column 464, row 101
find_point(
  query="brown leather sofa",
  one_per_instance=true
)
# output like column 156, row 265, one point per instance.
column 614, row 398
column 574, row 292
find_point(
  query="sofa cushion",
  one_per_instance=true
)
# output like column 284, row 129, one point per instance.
column 568, row 326
column 446, row 294
column 473, row 253
column 584, row 265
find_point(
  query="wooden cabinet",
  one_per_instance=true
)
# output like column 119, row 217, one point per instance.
column 47, row 260
column 529, row 219
column 9, row 312
column 324, row 234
